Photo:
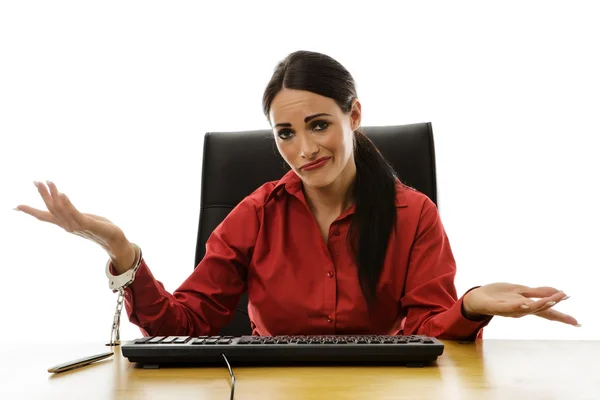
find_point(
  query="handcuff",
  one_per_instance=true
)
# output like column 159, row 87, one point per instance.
column 118, row 283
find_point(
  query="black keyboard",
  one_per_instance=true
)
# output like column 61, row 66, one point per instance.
column 154, row 351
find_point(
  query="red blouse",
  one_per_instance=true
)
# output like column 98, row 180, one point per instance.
column 271, row 246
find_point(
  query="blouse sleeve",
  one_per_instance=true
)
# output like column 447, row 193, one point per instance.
column 430, row 300
column 206, row 300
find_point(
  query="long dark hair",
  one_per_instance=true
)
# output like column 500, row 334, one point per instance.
column 375, row 186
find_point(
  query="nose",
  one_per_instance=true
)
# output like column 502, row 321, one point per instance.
column 308, row 148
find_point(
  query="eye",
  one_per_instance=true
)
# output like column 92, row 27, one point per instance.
column 285, row 134
column 321, row 125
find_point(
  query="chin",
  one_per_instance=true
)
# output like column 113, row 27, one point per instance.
column 316, row 181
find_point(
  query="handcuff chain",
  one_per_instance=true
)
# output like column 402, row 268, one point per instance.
column 115, row 338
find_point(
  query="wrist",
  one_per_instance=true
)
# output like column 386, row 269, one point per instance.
column 125, row 272
column 122, row 255
column 467, row 310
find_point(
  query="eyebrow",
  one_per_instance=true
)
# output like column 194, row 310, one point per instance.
column 288, row 125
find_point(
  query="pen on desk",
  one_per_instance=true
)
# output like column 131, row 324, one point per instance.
column 80, row 362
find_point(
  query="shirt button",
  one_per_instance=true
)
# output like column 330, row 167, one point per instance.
column 330, row 274
column 329, row 319
column 336, row 232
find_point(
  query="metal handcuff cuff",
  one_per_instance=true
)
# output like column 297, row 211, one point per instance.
column 118, row 283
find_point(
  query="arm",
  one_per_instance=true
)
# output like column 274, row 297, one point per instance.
column 206, row 300
column 430, row 299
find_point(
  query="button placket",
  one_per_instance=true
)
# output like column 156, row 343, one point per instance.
column 334, row 244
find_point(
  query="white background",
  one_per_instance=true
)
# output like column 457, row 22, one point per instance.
column 111, row 101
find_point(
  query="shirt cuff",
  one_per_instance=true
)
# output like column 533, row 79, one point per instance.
column 145, row 285
column 142, row 281
column 469, row 328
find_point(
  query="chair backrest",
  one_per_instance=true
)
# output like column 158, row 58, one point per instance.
column 236, row 163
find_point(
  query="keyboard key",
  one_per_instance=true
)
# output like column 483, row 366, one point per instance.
column 169, row 339
column 181, row 339
column 156, row 339
column 143, row 340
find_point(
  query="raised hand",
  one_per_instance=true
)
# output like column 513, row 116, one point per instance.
column 61, row 212
column 510, row 300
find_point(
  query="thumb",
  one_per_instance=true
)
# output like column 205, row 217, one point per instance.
column 511, row 307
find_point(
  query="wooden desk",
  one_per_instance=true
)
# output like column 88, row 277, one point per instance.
column 488, row 369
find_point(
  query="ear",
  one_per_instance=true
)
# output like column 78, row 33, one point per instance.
column 355, row 115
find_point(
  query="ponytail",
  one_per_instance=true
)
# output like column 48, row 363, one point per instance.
column 375, row 212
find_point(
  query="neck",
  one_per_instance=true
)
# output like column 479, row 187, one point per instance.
column 336, row 197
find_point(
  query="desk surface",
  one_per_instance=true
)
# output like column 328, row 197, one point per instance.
column 486, row 369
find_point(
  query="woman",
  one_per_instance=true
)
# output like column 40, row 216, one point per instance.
column 337, row 246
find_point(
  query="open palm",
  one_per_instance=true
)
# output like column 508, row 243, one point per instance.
column 511, row 300
column 62, row 212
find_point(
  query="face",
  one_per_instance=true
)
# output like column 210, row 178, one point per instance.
column 314, row 136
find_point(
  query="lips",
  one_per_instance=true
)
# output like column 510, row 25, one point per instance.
column 315, row 164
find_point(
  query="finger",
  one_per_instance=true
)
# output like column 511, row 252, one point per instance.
column 539, row 292
column 53, row 190
column 546, row 302
column 510, row 308
column 59, row 209
column 550, row 304
column 554, row 315
column 45, row 195
column 39, row 214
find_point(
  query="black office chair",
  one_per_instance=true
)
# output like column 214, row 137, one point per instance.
column 237, row 163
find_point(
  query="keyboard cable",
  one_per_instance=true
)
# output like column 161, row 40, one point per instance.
column 232, row 377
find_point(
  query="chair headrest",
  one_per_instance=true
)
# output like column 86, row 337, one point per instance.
column 237, row 163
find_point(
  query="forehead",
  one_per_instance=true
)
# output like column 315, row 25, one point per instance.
column 290, row 105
